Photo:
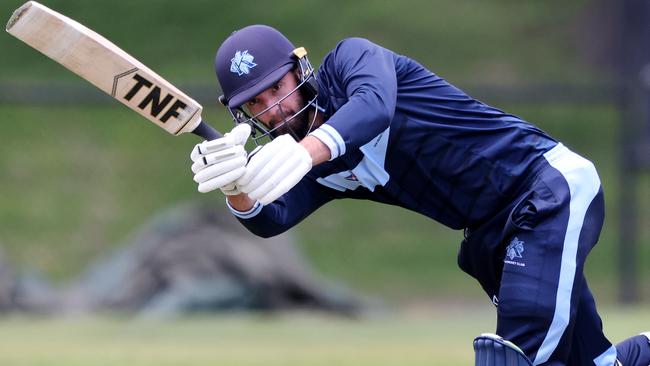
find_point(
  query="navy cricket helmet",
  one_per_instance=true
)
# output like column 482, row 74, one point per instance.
column 252, row 60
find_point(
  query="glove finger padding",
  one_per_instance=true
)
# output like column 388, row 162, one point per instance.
column 215, row 171
column 219, row 163
column 287, row 182
column 230, row 153
column 275, row 169
column 259, row 160
column 279, row 171
column 266, row 171
column 225, row 179
column 240, row 133
column 237, row 136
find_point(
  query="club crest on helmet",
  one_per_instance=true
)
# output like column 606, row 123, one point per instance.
column 242, row 63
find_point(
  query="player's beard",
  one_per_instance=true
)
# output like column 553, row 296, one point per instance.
column 299, row 126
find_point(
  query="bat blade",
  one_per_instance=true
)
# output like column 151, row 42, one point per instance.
column 108, row 67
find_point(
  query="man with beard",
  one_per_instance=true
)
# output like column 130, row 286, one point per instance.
column 376, row 125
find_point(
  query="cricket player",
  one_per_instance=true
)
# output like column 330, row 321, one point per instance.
column 372, row 124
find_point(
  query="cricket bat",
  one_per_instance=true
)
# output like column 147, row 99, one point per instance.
column 109, row 68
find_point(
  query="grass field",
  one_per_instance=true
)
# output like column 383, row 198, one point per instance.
column 440, row 335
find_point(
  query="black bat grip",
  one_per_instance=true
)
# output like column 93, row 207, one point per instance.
column 206, row 131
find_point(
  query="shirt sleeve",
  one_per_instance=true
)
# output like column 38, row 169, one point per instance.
column 287, row 211
column 366, row 74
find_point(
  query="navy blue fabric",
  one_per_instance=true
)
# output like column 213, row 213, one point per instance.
column 634, row 351
column 588, row 339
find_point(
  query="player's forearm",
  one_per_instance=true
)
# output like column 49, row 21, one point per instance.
column 240, row 202
column 318, row 151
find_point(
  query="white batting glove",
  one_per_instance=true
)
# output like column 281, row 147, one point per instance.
column 276, row 168
column 219, row 163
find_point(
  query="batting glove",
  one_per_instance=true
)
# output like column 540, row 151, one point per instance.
column 219, row 163
column 276, row 168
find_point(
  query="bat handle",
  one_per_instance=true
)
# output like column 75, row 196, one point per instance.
column 206, row 131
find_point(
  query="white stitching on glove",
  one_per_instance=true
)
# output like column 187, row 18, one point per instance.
column 219, row 163
column 276, row 168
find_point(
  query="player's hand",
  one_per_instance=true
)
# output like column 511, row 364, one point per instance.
column 276, row 168
column 219, row 163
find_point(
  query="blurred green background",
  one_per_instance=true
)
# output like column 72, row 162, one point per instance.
column 77, row 178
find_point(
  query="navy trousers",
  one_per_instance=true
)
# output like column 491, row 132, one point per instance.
column 529, row 259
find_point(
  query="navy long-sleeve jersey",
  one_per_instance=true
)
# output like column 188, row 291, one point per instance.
column 401, row 135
